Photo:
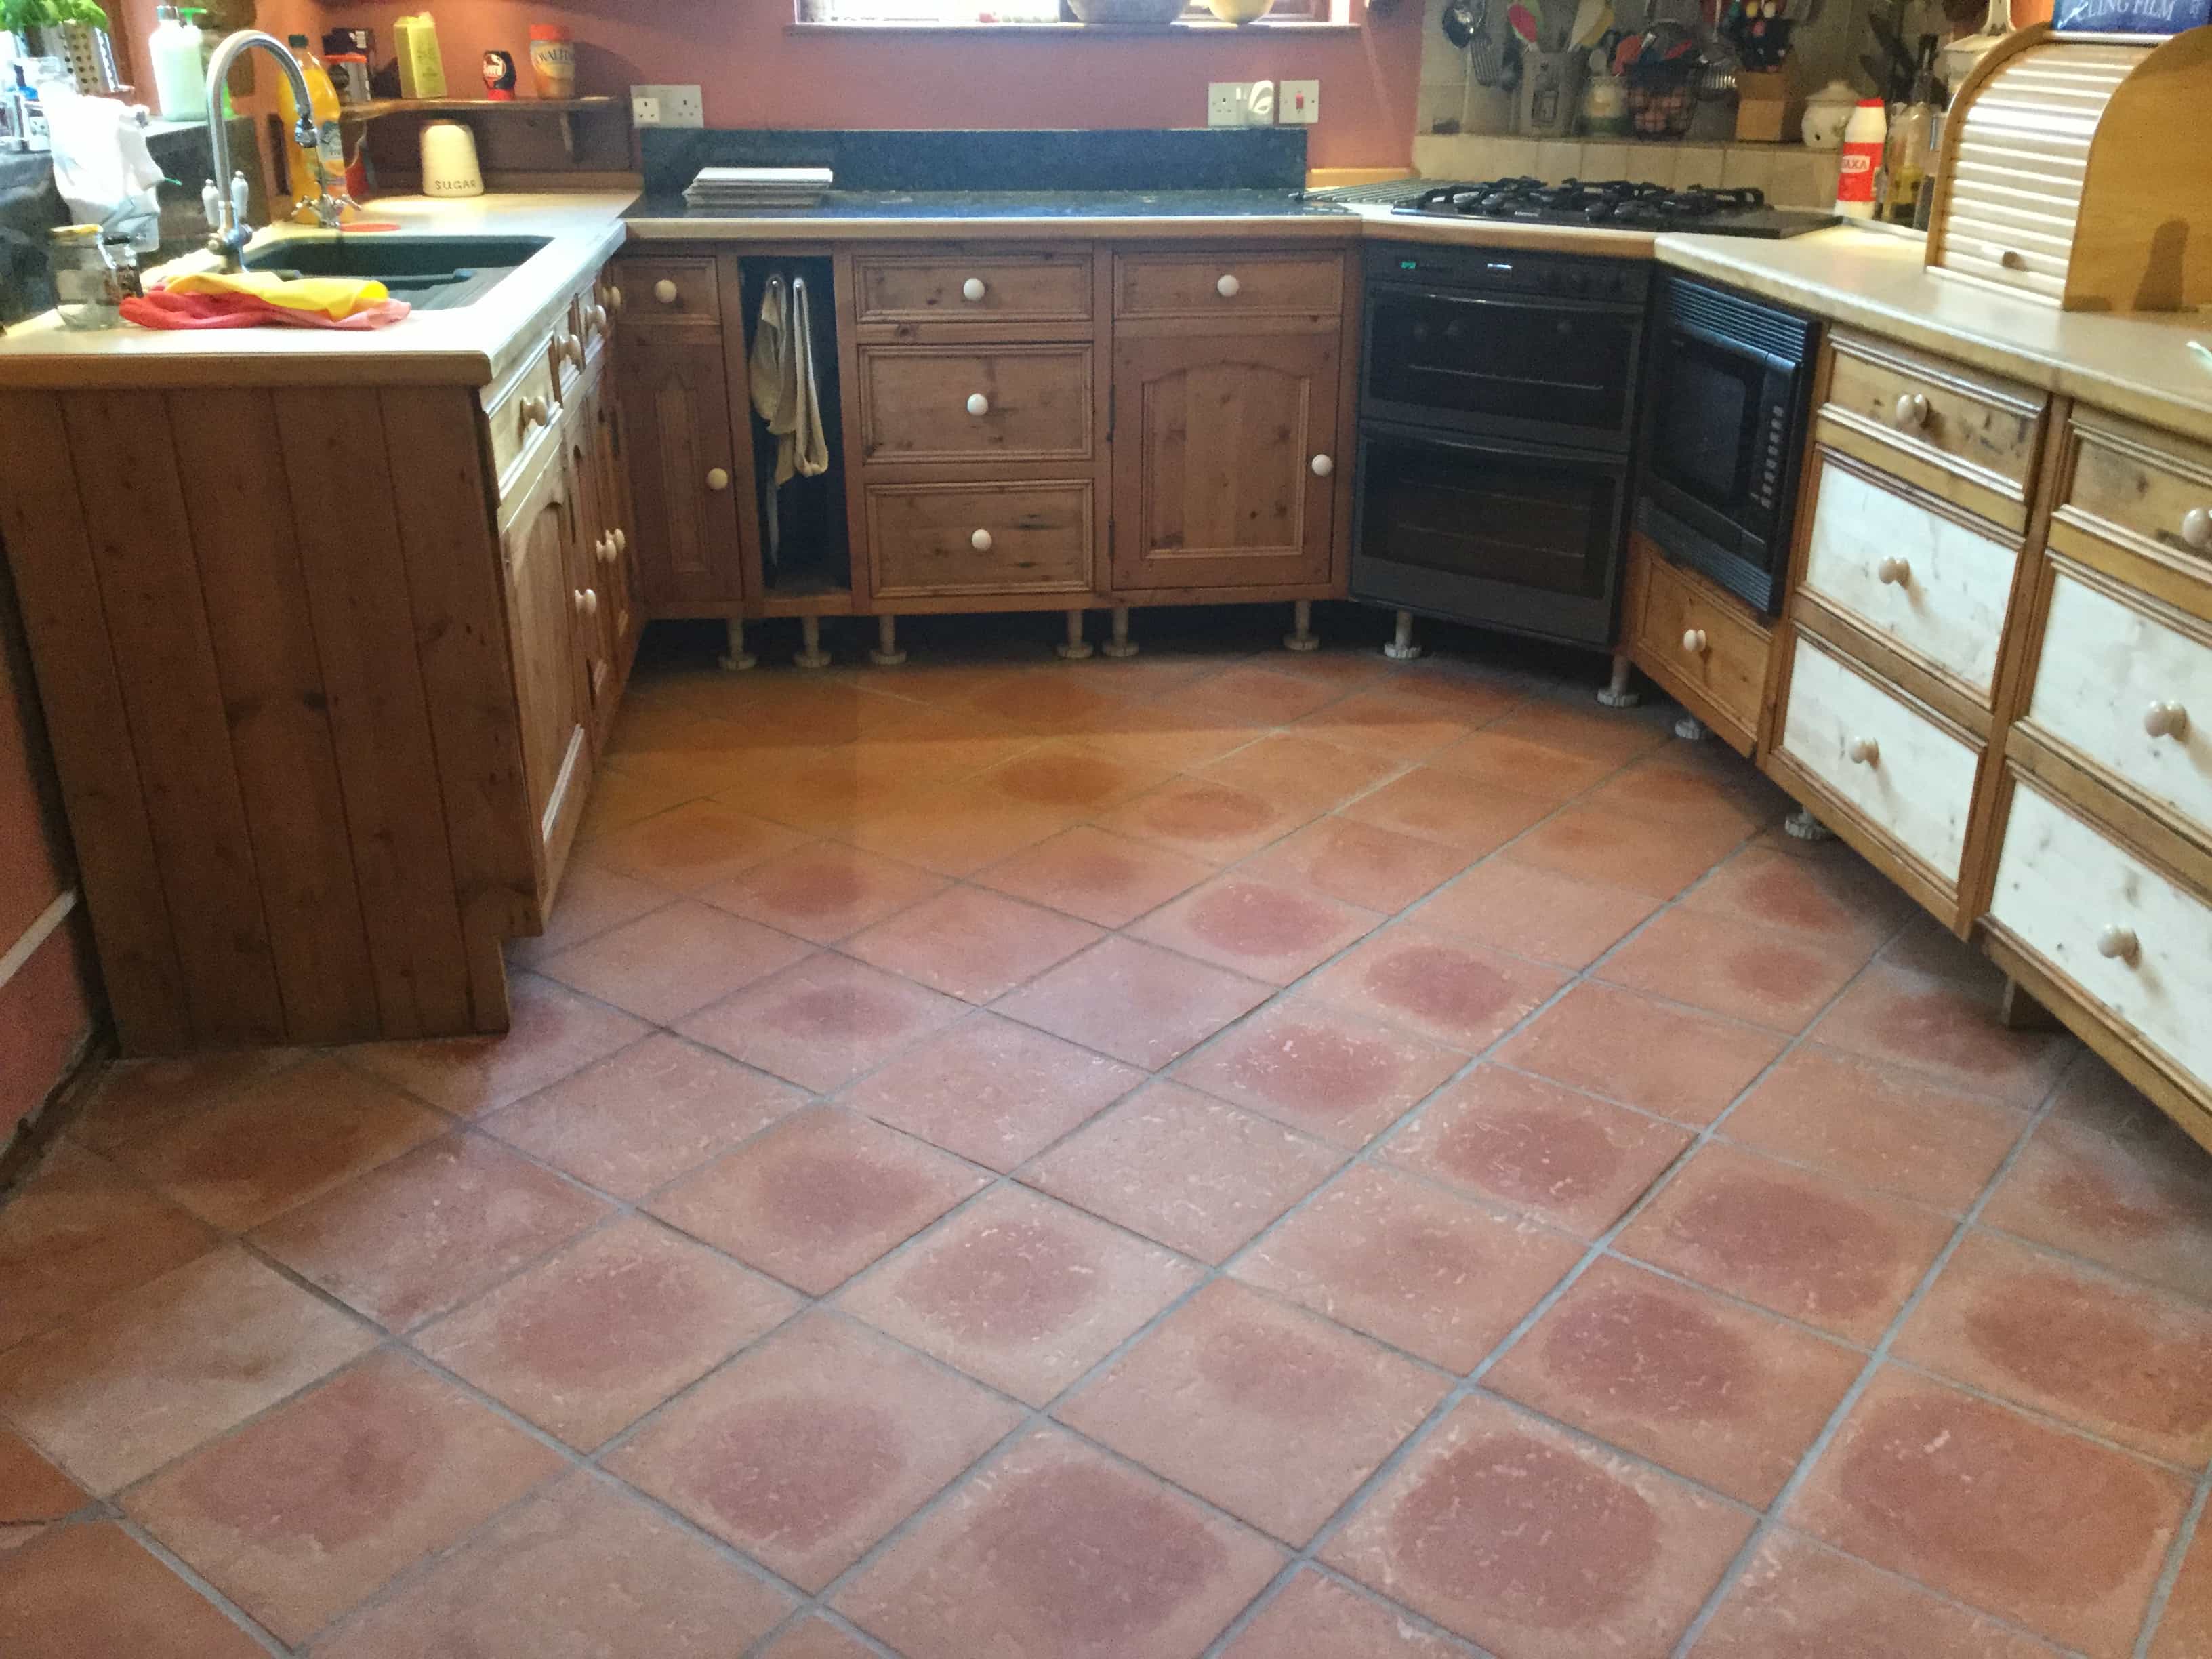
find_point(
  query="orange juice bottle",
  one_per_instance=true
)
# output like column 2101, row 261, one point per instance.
column 327, row 159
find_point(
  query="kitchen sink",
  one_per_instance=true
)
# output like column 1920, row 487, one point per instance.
column 432, row 273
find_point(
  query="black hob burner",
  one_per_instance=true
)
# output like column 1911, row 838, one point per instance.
column 1615, row 205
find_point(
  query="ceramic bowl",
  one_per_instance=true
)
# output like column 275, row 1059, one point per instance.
column 1240, row 11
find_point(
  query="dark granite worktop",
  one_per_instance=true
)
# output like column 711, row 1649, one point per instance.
column 1002, row 204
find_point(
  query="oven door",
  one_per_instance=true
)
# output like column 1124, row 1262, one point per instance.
column 1557, row 371
column 1527, row 537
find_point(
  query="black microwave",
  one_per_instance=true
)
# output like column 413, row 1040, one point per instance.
column 1726, row 397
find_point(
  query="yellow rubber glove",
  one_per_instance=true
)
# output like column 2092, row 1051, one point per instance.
column 335, row 297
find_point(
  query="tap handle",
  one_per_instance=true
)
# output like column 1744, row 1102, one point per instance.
column 211, row 203
column 241, row 197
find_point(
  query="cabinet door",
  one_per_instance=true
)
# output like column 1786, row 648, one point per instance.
column 684, row 469
column 1224, row 449
column 541, row 553
column 624, row 616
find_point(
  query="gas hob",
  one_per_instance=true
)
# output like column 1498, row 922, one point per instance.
column 1614, row 205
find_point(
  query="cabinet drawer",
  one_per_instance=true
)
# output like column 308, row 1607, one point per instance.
column 668, row 291
column 523, row 413
column 1936, row 412
column 1927, row 583
column 2126, row 683
column 1908, row 777
column 930, row 540
column 1225, row 286
column 985, row 403
column 2138, row 480
column 1691, row 640
column 2069, row 894
column 1041, row 287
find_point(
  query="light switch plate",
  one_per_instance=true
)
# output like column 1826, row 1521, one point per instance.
column 1298, row 103
column 667, row 106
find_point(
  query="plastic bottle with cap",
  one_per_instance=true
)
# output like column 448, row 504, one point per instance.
column 1865, row 138
column 177, row 55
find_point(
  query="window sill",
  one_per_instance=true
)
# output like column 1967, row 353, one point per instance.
column 1080, row 31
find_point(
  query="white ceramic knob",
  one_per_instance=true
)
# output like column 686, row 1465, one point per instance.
column 972, row 289
column 536, row 411
column 571, row 350
column 981, row 541
column 587, row 601
column 719, row 480
column 2196, row 528
column 2118, row 944
column 1911, row 412
column 615, row 300
column 1228, row 287
column 1323, row 466
column 620, row 539
column 597, row 317
column 2165, row 720
column 1894, row 573
column 606, row 549
column 1864, row 751
column 664, row 291
column 978, row 404
column 1694, row 641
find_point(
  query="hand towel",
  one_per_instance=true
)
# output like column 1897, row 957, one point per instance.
column 335, row 297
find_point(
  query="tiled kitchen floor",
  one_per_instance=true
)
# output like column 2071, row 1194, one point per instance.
column 1222, row 1153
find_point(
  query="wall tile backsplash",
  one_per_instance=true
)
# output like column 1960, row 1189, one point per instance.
column 1791, row 175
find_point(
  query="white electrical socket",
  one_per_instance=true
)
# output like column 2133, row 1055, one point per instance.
column 1224, row 103
column 667, row 106
column 1298, row 103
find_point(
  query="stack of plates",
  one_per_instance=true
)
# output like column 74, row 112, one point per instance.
column 730, row 190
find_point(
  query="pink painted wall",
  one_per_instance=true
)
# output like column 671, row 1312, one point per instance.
column 758, row 73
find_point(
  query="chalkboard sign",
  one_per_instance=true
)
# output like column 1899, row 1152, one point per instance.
column 2129, row 16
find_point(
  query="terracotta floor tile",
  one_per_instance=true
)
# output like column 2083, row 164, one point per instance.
column 824, row 891
column 307, row 1510
column 2185, row 1632
column 991, row 1091
column 1536, row 912
column 806, row 1450
column 1477, row 692
column 1158, row 734
column 1465, row 814
column 1316, row 1617
column 31, row 1489
column 592, row 901
column 1761, row 975
column 1596, row 845
column 1199, row 1176
column 1422, row 1270
column 1021, row 1292
column 129, row 1385
column 554, row 1032
column 1705, row 1388
column 819, row 1197
column 1255, row 927
column 1317, row 1068
column 2140, row 1206
column 2095, row 1096
column 1926, row 946
column 1054, row 1548
column 587, row 1341
column 1207, row 820
column 1103, row 879
column 1335, row 663
column 2122, row 1361
column 1877, row 1126
column 826, row 791
column 132, row 1096
column 823, row 1021
column 1551, row 1153
column 579, row 1572
column 954, row 829
column 1673, row 787
column 1374, row 869
column 1829, row 892
column 79, row 1232
column 634, row 785
column 644, row 1117
column 1049, row 699
column 291, row 1137
column 972, row 945
column 692, row 846
column 1581, row 726
column 1665, row 1059
column 1068, row 774
column 430, row 1230
column 1798, row 1600
column 1304, row 771
column 675, row 961
column 1388, row 721
column 1134, row 1001
column 1949, row 1031
column 817, row 1638
column 1534, row 1543
column 1837, row 1257
column 2009, row 1515
column 1274, row 1415
column 1461, row 995
column 1252, row 695
column 92, row 1593
column 1526, row 765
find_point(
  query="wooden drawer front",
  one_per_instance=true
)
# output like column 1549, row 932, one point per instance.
column 928, row 540
column 1274, row 285
column 2062, row 884
column 1041, row 287
column 2140, row 482
column 1991, row 429
column 2108, row 659
column 1923, row 581
column 915, row 404
column 668, row 291
column 1686, row 635
column 1917, row 787
column 523, row 413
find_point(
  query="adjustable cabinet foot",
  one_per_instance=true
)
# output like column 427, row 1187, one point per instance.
column 1302, row 637
column 2019, row 1011
column 1119, row 645
column 737, row 656
column 1691, row 729
column 887, row 653
column 1077, row 648
column 1615, row 694
column 810, row 654
column 1802, row 825
column 1401, row 647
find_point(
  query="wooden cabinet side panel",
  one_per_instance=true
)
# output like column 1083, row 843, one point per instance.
column 81, row 690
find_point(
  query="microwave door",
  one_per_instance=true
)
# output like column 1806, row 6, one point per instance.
column 1705, row 424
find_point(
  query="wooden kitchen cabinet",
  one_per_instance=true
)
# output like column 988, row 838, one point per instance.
column 553, row 656
column 674, row 392
column 1705, row 646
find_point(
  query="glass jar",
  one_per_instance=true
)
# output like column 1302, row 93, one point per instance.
column 87, row 290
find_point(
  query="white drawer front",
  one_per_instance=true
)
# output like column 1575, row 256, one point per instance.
column 1949, row 589
column 2104, row 665
column 1917, row 782
column 2061, row 888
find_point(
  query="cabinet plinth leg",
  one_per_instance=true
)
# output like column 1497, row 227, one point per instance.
column 737, row 656
column 887, row 653
column 1401, row 647
column 1302, row 637
column 2019, row 1011
column 810, row 654
column 1691, row 729
column 1802, row 825
column 1119, row 645
column 1077, row 648
column 1616, row 694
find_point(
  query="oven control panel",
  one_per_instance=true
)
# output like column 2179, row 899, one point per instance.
column 1502, row 271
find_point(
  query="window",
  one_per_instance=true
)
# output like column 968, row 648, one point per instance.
column 969, row 13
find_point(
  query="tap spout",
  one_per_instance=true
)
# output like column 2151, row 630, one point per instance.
column 228, row 231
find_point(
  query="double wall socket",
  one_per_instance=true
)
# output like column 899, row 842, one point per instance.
column 667, row 106
column 1240, row 103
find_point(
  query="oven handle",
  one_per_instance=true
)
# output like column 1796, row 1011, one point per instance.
column 1379, row 291
column 1595, row 460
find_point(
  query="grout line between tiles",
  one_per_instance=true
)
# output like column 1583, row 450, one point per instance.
column 2177, row 1555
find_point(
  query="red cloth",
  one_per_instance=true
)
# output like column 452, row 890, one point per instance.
column 163, row 310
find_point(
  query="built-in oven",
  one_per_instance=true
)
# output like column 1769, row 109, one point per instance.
column 1499, row 404
column 1726, row 403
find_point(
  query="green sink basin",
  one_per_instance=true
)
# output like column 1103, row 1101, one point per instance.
column 432, row 273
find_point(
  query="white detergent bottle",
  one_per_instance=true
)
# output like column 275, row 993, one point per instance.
column 179, row 65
